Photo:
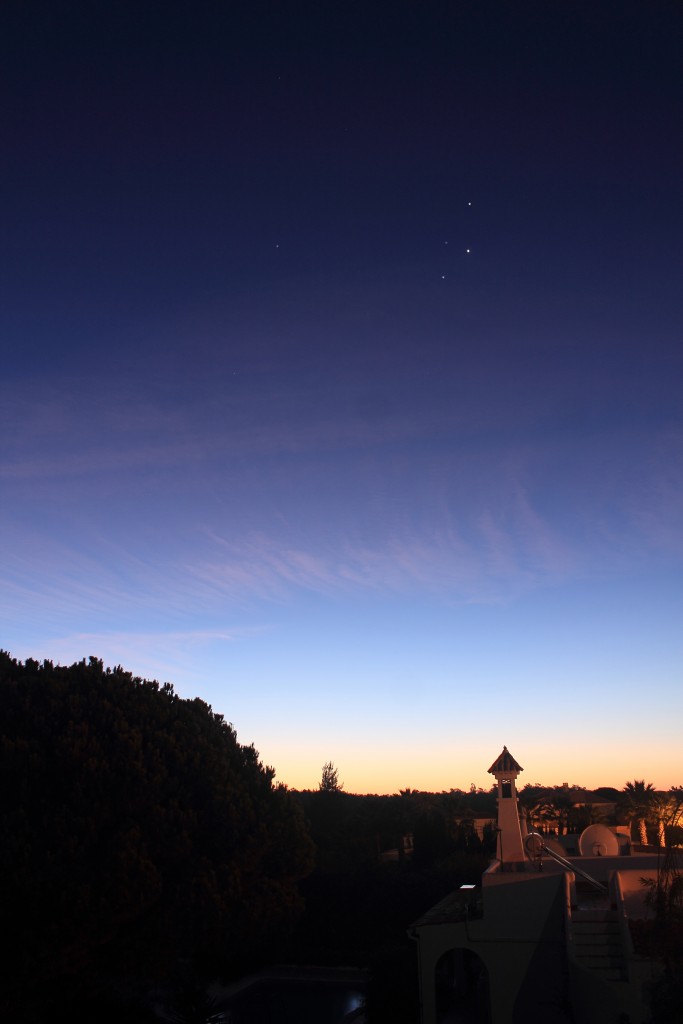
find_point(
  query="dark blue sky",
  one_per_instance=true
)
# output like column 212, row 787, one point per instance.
column 341, row 351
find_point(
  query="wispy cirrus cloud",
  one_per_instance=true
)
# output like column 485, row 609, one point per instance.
column 489, row 561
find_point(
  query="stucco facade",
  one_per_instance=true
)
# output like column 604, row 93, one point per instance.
column 538, row 941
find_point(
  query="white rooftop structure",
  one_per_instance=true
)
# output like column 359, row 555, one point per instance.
column 548, row 936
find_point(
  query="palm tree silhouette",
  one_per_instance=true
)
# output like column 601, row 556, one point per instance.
column 638, row 804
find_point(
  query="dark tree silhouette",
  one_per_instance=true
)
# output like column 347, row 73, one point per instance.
column 637, row 799
column 134, row 830
column 329, row 782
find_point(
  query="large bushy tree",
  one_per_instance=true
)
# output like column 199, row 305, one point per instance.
column 135, row 832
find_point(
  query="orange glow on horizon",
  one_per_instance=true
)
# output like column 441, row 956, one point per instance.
column 430, row 771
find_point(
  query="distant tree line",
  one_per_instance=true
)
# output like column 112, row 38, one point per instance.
column 654, row 816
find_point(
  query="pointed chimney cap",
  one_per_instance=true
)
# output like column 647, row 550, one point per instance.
column 505, row 762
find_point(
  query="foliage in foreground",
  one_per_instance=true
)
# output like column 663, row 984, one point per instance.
column 661, row 937
column 135, row 831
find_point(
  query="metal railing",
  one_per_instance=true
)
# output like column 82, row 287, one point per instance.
column 537, row 847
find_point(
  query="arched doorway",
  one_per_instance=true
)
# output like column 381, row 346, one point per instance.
column 461, row 988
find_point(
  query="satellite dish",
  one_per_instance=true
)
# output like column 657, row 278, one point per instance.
column 534, row 844
column 598, row 841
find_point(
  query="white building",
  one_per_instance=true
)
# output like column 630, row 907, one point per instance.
column 547, row 937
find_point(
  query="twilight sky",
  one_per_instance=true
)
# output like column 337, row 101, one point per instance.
column 342, row 374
